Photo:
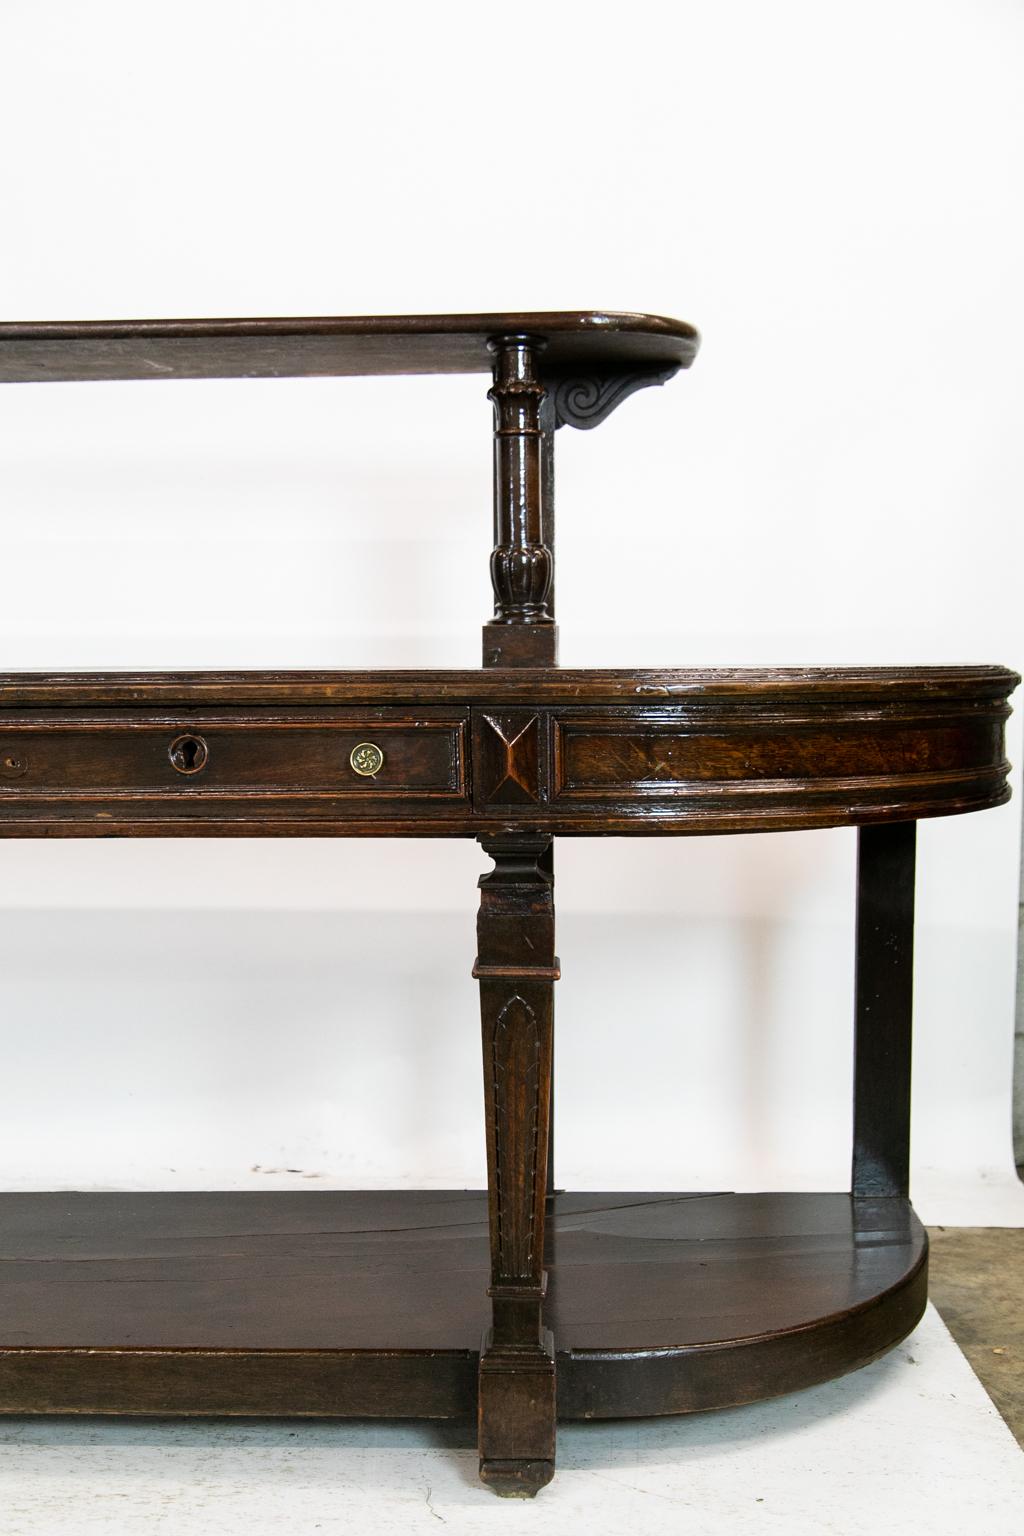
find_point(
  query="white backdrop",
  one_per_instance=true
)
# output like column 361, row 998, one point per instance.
column 832, row 193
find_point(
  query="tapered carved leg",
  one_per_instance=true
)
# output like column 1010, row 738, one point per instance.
column 547, row 863
column 517, row 969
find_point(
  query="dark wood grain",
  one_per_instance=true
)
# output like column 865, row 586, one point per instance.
column 424, row 753
column 464, row 757
column 767, row 688
column 372, row 1303
column 334, row 1303
column 883, row 1009
column 578, row 342
column 522, row 560
column 517, row 969
column 507, row 763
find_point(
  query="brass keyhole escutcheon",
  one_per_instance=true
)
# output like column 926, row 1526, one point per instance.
column 12, row 763
column 366, row 759
column 188, row 753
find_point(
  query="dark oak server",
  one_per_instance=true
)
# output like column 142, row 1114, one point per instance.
column 520, row 1303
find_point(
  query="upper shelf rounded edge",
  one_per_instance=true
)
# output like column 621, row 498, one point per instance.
column 585, row 341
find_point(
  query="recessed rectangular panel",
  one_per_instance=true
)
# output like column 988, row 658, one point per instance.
column 596, row 756
column 201, row 765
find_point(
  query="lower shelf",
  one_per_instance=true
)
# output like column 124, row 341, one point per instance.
column 330, row 1303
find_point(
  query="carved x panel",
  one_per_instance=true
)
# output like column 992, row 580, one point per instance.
column 507, row 758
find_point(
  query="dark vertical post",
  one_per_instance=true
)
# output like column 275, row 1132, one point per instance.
column 548, row 424
column 547, row 864
column 522, row 632
column 548, row 427
column 516, row 969
column 883, row 1009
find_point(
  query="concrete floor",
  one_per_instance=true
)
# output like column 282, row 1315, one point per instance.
column 976, row 1280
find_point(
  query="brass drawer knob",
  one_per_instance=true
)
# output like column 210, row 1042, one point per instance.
column 188, row 753
column 366, row 759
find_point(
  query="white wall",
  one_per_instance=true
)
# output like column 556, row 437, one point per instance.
column 832, row 193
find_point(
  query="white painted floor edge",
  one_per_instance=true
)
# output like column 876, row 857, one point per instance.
column 909, row 1445
column 986, row 1197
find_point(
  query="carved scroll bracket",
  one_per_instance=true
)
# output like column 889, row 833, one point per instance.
column 586, row 402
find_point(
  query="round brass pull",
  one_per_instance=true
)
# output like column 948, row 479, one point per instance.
column 188, row 753
column 366, row 759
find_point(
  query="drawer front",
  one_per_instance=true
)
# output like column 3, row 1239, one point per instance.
column 292, row 765
column 357, row 756
column 655, row 756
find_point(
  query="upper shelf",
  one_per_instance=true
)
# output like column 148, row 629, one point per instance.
column 576, row 342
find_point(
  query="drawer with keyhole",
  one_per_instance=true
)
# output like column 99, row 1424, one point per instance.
column 334, row 762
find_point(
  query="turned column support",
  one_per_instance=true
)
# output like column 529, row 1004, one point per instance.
column 517, row 968
column 522, row 632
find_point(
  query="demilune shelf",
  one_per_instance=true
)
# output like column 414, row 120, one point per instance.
column 557, row 751
column 321, row 1303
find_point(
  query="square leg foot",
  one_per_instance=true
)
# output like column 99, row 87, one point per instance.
column 516, row 1479
column 517, row 1417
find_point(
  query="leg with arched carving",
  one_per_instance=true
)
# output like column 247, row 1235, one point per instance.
column 517, row 969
